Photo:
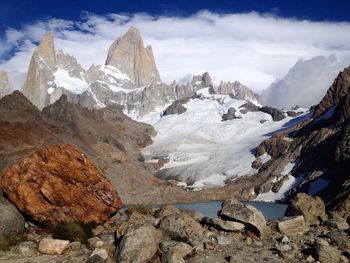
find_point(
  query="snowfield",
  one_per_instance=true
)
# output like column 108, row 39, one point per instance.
column 204, row 151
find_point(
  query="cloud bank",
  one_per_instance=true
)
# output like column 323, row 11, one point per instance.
column 255, row 49
column 305, row 84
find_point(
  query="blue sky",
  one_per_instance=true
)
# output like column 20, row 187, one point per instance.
column 15, row 13
column 252, row 41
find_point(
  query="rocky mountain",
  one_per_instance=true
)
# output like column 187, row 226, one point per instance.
column 129, row 55
column 313, row 156
column 4, row 84
column 106, row 136
column 238, row 91
column 129, row 78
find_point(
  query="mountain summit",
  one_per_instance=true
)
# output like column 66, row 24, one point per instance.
column 129, row 55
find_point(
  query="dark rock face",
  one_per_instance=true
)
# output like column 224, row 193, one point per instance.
column 230, row 115
column 320, row 147
column 107, row 136
column 276, row 114
column 176, row 107
column 60, row 184
column 248, row 107
column 312, row 208
column 335, row 93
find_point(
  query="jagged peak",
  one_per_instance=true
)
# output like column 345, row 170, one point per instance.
column 339, row 88
column 46, row 49
column 130, row 56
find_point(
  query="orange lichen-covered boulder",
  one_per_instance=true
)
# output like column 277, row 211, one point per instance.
column 60, row 184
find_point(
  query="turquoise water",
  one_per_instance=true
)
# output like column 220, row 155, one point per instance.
column 210, row 209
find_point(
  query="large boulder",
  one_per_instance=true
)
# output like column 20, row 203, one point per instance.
column 230, row 115
column 53, row 246
column 292, row 226
column 276, row 114
column 11, row 221
column 139, row 245
column 177, row 107
column 60, row 184
column 312, row 208
column 252, row 218
column 182, row 227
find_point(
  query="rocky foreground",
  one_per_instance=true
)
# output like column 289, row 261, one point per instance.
column 167, row 234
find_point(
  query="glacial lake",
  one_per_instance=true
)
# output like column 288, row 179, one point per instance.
column 210, row 209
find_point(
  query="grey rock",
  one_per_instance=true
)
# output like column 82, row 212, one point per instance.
column 292, row 226
column 94, row 242
column 276, row 114
column 27, row 249
column 11, row 220
column 223, row 241
column 312, row 208
column 230, row 115
column 139, row 245
column 99, row 255
column 327, row 254
column 252, row 218
column 224, row 225
column 176, row 253
column 248, row 107
column 176, row 107
column 167, row 211
column 336, row 222
column 182, row 227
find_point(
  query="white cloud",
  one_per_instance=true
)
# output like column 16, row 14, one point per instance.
column 252, row 48
column 305, row 84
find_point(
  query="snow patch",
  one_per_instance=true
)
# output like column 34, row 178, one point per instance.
column 288, row 184
column 74, row 85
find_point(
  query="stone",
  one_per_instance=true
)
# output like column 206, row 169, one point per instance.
column 343, row 259
column 27, row 249
column 94, row 242
column 292, row 226
column 76, row 245
column 321, row 242
column 129, row 55
column 336, row 222
column 99, row 255
column 176, row 253
column 196, row 215
column 224, row 225
column 230, row 115
column 176, row 107
column 60, row 184
column 310, row 259
column 139, row 245
column 53, row 246
column 223, row 241
column 98, row 230
column 167, row 211
column 276, row 114
column 248, row 107
column 252, row 218
column 182, row 227
column 11, row 220
column 312, row 208
column 327, row 254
